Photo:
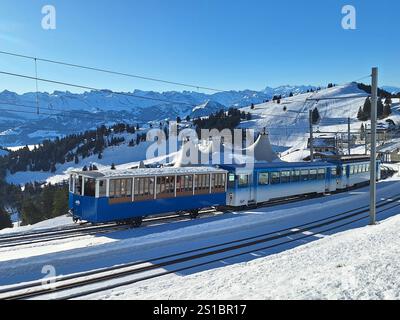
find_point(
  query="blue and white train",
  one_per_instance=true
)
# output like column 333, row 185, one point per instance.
column 127, row 196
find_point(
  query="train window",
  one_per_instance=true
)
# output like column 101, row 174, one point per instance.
column 102, row 188
column 71, row 183
column 367, row 167
column 344, row 171
column 120, row 188
column 295, row 176
column 304, row 175
column 334, row 172
column 90, row 187
column 275, row 178
column 165, row 187
column 231, row 180
column 351, row 170
column 263, row 178
column 321, row 174
column 143, row 189
column 202, row 183
column 78, row 185
column 218, row 182
column 285, row 176
column 184, row 185
column 244, row 180
column 313, row 175
column 112, row 188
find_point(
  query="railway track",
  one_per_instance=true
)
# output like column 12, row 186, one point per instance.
column 91, row 282
column 72, row 232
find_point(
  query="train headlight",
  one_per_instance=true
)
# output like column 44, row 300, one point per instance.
column 77, row 202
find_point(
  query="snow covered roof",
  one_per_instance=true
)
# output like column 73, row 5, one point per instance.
column 389, row 147
column 141, row 172
column 282, row 165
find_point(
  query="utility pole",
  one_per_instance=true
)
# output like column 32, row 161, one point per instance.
column 311, row 138
column 348, row 136
column 374, row 102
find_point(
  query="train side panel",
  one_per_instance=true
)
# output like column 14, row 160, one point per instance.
column 99, row 210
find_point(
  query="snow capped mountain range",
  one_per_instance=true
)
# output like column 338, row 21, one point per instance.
column 391, row 89
column 63, row 113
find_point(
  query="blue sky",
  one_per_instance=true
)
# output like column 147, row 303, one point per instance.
column 215, row 43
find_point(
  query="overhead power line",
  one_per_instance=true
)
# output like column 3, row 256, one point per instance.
column 129, row 75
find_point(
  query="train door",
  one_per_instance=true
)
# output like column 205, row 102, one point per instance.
column 245, row 192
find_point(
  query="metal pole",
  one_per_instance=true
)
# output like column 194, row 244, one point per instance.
column 348, row 136
column 374, row 102
column 311, row 138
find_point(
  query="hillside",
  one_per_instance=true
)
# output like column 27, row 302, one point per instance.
column 287, row 123
column 63, row 113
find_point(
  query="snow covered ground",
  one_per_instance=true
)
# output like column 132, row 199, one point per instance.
column 58, row 222
column 356, row 264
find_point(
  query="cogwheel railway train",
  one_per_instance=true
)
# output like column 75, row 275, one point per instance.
column 127, row 196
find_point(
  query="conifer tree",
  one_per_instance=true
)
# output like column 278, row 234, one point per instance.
column 5, row 221
column 60, row 203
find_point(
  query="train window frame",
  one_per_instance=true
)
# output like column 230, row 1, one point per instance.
column 275, row 178
column 285, row 176
column 218, row 182
column 263, row 178
column 321, row 174
column 90, row 187
column 243, row 183
column 184, row 185
column 102, row 188
column 313, row 175
column 295, row 176
column 304, row 175
column 143, row 188
column 71, row 183
column 231, row 182
column 202, row 183
column 120, row 188
column 78, row 185
column 165, row 187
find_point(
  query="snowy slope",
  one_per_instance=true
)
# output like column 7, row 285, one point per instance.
column 122, row 156
column 359, row 264
column 288, row 124
column 99, row 107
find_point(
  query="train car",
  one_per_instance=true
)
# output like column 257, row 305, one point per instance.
column 353, row 170
column 129, row 195
column 269, row 181
column 126, row 196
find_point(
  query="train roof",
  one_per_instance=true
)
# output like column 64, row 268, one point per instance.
column 279, row 165
column 143, row 172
